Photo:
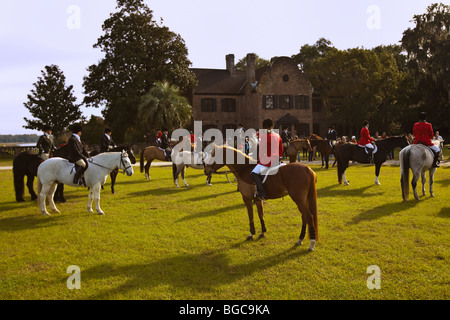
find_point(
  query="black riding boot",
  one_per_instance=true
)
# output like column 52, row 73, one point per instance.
column 436, row 161
column 78, row 175
column 168, row 153
column 261, row 193
column 370, row 155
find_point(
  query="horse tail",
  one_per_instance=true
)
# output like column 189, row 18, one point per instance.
column 404, row 170
column 312, row 201
column 142, row 160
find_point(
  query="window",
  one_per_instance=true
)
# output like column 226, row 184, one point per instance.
column 286, row 102
column 270, row 102
column 302, row 102
column 228, row 105
column 209, row 105
column 302, row 129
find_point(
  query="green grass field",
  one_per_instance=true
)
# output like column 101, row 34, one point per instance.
column 158, row 242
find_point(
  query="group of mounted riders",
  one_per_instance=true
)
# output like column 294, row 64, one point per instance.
column 275, row 146
column 75, row 150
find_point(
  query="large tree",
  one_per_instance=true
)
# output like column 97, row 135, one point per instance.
column 164, row 107
column 138, row 53
column 52, row 103
column 309, row 53
column 357, row 84
column 428, row 49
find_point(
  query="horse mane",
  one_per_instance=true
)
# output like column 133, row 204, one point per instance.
column 238, row 152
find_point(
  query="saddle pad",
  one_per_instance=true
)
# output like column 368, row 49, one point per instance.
column 273, row 171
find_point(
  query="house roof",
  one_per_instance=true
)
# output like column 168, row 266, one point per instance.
column 217, row 81
column 287, row 119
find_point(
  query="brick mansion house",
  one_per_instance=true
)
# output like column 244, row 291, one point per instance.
column 225, row 98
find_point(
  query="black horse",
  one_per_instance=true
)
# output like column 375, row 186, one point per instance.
column 352, row 151
column 26, row 164
column 114, row 173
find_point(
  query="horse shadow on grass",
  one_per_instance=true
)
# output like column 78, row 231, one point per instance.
column 200, row 272
column 340, row 191
column 29, row 222
column 212, row 212
column 382, row 211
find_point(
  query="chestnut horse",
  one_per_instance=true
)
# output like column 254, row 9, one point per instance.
column 295, row 146
column 293, row 179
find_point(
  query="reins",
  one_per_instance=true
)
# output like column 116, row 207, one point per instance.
column 91, row 161
column 226, row 175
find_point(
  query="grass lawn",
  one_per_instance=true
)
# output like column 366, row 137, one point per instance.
column 158, row 242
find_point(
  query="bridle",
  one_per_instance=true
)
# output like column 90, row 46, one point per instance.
column 122, row 156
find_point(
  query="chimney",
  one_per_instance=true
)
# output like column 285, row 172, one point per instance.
column 251, row 77
column 230, row 62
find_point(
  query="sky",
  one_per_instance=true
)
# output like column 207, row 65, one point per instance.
column 34, row 34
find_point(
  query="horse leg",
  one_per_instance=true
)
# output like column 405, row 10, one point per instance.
column 415, row 178
column 91, row 197
column 259, row 206
column 147, row 169
column 377, row 173
column 60, row 193
column 183, row 171
column 249, row 204
column 302, row 233
column 346, row 183
column 307, row 219
column 113, row 176
column 30, row 181
column 424, row 181
column 208, row 180
column 96, row 188
column 327, row 159
column 42, row 197
column 50, row 195
column 432, row 171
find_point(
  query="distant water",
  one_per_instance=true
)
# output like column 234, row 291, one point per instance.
column 33, row 144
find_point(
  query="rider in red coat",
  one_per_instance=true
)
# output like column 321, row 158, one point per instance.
column 270, row 151
column 366, row 140
column 423, row 133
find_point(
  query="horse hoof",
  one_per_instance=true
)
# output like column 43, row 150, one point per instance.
column 299, row 242
column 21, row 200
column 261, row 236
column 46, row 214
column 250, row 238
column 101, row 213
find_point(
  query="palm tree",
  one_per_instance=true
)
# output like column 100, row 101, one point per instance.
column 164, row 107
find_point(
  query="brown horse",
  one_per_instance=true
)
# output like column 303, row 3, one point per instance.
column 293, row 179
column 150, row 153
column 295, row 146
column 324, row 147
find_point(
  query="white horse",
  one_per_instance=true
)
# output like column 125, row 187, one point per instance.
column 419, row 158
column 183, row 159
column 59, row 170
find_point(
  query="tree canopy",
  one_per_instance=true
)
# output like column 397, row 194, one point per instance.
column 428, row 62
column 52, row 103
column 138, row 53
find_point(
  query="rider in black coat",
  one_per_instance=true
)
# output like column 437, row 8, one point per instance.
column 77, row 153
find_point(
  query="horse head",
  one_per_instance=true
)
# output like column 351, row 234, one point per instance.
column 125, row 163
